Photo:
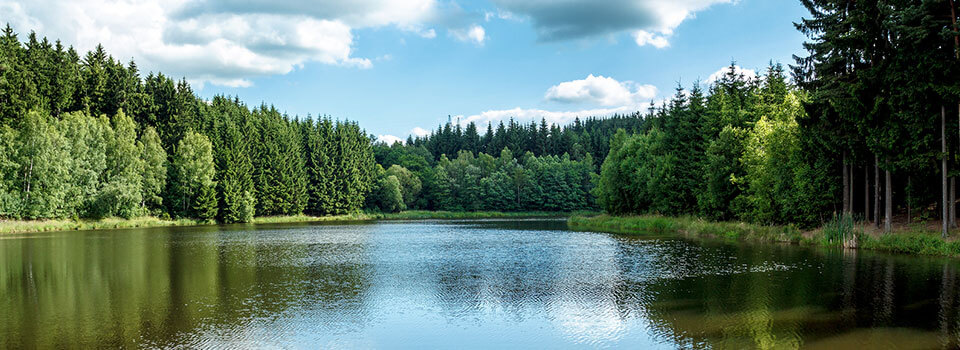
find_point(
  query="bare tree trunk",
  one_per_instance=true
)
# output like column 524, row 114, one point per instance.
column 956, row 54
column 876, row 191
column 944, row 216
column 846, row 185
column 952, row 205
column 866, row 193
column 853, row 189
column 909, row 199
column 888, row 203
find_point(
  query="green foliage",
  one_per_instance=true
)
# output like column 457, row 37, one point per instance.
column 482, row 182
column 410, row 184
column 192, row 172
column 122, row 192
column 154, row 169
column 736, row 153
column 387, row 195
column 840, row 229
column 926, row 243
column 689, row 226
column 234, row 170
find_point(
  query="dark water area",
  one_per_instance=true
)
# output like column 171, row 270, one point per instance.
column 461, row 284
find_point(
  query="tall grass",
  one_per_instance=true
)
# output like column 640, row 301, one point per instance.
column 839, row 229
column 108, row 223
column 838, row 232
column 150, row 221
column 690, row 226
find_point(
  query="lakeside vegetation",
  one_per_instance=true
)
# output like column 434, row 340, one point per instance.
column 30, row 226
column 843, row 233
column 88, row 138
column 101, row 224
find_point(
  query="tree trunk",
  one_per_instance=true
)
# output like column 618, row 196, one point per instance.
column 909, row 199
column 944, row 216
column 853, row 189
column 952, row 203
column 888, row 203
column 956, row 54
column 846, row 185
column 876, row 191
column 866, row 193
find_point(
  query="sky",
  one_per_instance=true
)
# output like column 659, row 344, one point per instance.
column 402, row 67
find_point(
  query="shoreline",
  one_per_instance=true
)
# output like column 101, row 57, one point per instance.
column 904, row 241
column 41, row 226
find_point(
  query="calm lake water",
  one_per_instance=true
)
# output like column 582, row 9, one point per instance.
column 460, row 284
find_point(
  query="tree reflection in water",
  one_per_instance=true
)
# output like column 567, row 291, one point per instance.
column 457, row 284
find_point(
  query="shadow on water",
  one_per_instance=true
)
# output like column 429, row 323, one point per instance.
column 481, row 283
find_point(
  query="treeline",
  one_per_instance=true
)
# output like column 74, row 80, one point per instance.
column 735, row 151
column 588, row 136
column 481, row 181
column 90, row 138
column 510, row 167
column 882, row 77
column 865, row 124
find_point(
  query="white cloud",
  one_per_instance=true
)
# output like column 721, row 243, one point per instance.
column 227, row 42
column 750, row 74
column 601, row 90
column 651, row 21
column 501, row 14
column 475, row 34
column 389, row 139
column 643, row 38
column 419, row 132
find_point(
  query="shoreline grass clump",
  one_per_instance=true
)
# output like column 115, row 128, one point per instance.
column 842, row 231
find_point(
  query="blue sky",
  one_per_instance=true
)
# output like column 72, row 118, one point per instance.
column 399, row 65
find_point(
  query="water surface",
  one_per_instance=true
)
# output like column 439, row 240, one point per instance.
column 460, row 284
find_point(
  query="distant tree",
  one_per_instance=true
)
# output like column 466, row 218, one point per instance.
column 193, row 189
column 154, row 169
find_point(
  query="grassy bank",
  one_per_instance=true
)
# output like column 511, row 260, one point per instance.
column 75, row 225
column 835, row 234
column 7, row 227
column 687, row 226
column 454, row 215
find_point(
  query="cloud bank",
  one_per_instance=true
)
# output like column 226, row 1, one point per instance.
column 601, row 90
column 229, row 42
column 651, row 21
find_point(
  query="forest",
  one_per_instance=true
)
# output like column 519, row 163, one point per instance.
column 865, row 125
column 867, row 128
column 90, row 138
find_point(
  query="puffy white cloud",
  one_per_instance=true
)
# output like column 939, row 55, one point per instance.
column 419, row 132
column 601, row 90
column 643, row 38
column 652, row 21
column 737, row 70
column 228, row 42
column 389, row 139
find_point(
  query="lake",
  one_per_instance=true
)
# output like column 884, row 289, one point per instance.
column 460, row 284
